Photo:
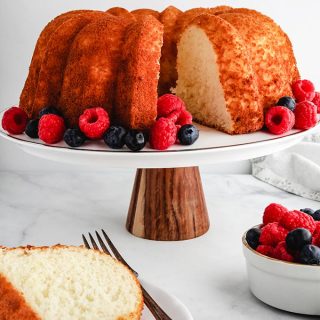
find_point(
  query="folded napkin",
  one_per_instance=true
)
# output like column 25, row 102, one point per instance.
column 295, row 170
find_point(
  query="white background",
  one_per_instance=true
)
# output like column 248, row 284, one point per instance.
column 22, row 21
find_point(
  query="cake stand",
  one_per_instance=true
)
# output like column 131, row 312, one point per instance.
column 167, row 201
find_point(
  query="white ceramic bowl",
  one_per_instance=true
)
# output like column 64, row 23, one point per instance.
column 288, row 286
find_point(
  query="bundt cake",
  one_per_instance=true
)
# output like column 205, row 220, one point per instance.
column 63, row 282
column 111, row 59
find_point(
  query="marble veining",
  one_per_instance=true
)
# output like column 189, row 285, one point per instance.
column 208, row 274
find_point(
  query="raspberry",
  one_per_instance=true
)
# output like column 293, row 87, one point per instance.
column 94, row 122
column 180, row 117
column 51, row 128
column 280, row 252
column 184, row 118
column 316, row 231
column 163, row 134
column 316, row 101
column 316, row 235
column 272, row 234
column 265, row 250
column 273, row 213
column 303, row 90
column 174, row 115
column 279, row 119
column 306, row 115
column 168, row 103
column 14, row 120
column 297, row 219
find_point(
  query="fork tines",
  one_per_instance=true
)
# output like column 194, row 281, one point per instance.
column 113, row 250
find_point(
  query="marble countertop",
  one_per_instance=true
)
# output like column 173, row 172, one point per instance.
column 208, row 274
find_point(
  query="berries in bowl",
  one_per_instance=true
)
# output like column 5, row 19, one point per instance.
column 283, row 259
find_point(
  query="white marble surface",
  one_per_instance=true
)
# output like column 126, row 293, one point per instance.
column 208, row 274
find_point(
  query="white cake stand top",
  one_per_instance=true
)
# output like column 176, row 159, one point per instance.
column 212, row 147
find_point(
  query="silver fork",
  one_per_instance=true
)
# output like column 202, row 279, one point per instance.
column 154, row 308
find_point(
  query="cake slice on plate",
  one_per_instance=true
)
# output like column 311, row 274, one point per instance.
column 70, row 283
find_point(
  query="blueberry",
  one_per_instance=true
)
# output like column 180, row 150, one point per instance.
column 49, row 110
column 32, row 129
column 298, row 238
column 310, row 254
column 288, row 102
column 135, row 140
column 188, row 134
column 252, row 237
column 308, row 211
column 115, row 137
column 74, row 137
column 316, row 215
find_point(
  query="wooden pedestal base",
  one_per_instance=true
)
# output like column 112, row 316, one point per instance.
column 168, row 204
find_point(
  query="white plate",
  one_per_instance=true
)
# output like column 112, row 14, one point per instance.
column 170, row 304
column 212, row 147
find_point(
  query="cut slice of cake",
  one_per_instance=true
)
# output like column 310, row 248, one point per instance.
column 216, row 78
column 70, row 283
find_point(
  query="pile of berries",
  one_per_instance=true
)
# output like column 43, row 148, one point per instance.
column 173, row 125
column 292, row 236
column 299, row 113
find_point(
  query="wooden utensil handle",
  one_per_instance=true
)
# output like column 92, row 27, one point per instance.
column 168, row 204
column 154, row 308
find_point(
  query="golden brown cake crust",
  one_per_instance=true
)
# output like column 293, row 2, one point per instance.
column 92, row 65
column 271, row 53
column 28, row 93
column 168, row 72
column 55, row 59
column 237, row 77
column 12, row 304
column 145, row 12
column 117, row 11
column 137, row 81
column 175, row 21
column 186, row 17
column 121, row 12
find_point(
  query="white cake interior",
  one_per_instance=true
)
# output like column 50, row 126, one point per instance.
column 198, row 81
column 70, row 284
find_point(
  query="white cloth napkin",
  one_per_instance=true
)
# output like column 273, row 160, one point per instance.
column 295, row 170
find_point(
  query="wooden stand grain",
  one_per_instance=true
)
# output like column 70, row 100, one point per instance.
column 168, row 204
